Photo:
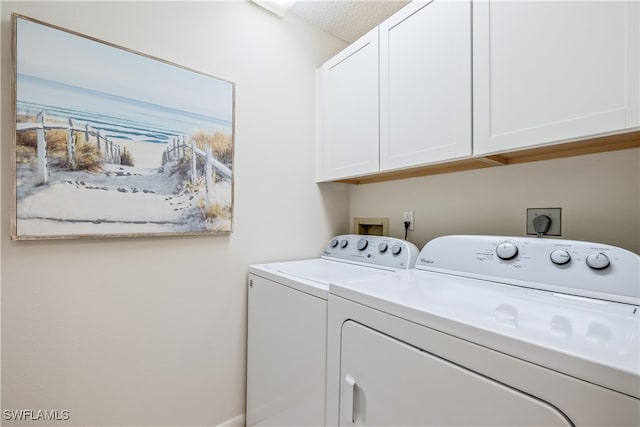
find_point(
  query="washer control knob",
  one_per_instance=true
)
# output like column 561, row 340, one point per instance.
column 333, row 243
column 396, row 249
column 560, row 257
column 506, row 250
column 344, row 243
column 382, row 247
column 362, row 244
column 598, row 261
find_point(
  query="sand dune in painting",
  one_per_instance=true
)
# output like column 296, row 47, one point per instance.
column 118, row 200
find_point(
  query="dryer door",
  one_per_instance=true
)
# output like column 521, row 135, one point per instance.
column 387, row 382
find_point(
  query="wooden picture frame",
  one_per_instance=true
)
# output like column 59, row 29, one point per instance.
column 109, row 142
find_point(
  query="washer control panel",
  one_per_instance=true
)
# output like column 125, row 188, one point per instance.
column 372, row 250
column 573, row 267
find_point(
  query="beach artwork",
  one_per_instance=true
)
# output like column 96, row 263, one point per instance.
column 110, row 142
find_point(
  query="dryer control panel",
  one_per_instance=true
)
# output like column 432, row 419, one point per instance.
column 372, row 250
column 587, row 269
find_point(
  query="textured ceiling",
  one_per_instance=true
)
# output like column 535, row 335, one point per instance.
column 346, row 20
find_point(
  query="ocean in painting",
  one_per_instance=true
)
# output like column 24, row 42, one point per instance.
column 119, row 118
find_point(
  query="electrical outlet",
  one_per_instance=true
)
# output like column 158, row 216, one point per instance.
column 555, row 214
column 408, row 216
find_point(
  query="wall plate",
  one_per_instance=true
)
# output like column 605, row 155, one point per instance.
column 555, row 214
column 409, row 216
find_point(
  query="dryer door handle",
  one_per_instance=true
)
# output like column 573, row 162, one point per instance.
column 348, row 401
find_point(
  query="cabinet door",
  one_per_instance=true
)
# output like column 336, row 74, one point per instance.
column 348, row 138
column 553, row 71
column 425, row 84
column 389, row 383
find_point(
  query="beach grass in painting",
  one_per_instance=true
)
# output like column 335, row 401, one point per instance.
column 113, row 143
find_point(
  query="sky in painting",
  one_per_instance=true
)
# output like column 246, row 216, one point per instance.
column 52, row 54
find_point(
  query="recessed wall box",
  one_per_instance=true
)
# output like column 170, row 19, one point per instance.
column 371, row 226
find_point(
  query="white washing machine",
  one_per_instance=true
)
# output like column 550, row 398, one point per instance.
column 287, row 321
column 490, row 331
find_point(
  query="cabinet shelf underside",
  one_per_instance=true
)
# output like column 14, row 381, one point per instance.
column 569, row 149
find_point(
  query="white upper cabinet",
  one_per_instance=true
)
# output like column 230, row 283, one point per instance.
column 425, row 84
column 348, row 117
column 451, row 81
column 546, row 72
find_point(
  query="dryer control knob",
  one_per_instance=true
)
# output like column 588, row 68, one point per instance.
column 333, row 243
column 344, row 243
column 382, row 247
column 396, row 249
column 598, row 261
column 560, row 257
column 506, row 250
column 362, row 244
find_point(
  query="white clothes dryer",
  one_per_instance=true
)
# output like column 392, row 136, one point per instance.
column 287, row 321
column 490, row 331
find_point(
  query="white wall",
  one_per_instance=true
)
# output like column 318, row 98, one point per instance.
column 151, row 331
column 599, row 195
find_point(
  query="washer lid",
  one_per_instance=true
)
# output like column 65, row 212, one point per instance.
column 314, row 275
column 595, row 340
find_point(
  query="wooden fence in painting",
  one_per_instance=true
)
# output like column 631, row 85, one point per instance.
column 107, row 149
column 178, row 149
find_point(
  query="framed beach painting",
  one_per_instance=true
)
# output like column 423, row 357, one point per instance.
column 110, row 142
